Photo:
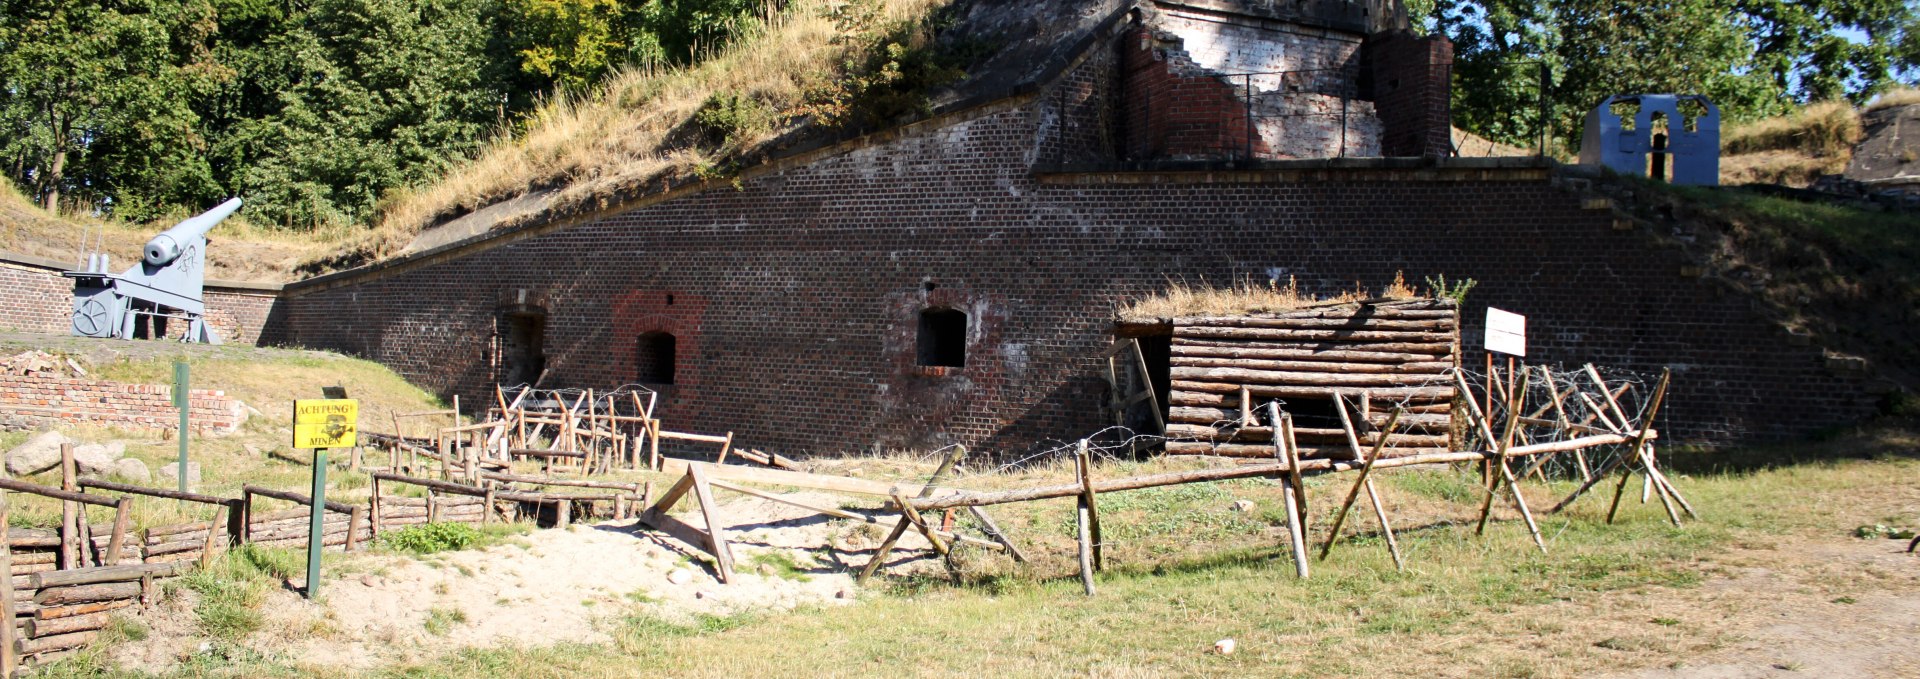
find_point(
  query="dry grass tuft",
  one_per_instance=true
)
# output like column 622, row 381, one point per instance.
column 1247, row 297
column 635, row 130
column 1472, row 145
column 1786, row 168
column 1898, row 96
column 1820, row 130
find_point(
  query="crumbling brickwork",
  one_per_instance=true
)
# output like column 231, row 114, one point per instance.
column 29, row 401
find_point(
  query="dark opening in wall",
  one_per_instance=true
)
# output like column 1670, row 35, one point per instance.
column 943, row 338
column 654, row 356
column 522, row 351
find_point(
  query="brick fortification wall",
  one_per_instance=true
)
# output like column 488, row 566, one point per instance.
column 34, row 297
column 795, row 298
column 1188, row 77
column 29, row 401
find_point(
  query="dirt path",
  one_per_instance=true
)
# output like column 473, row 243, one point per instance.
column 1834, row 608
column 549, row 587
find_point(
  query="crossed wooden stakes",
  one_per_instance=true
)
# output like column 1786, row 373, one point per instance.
column 702, row 478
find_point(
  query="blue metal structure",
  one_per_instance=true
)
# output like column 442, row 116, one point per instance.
column 166, row 284
column 1660, row 140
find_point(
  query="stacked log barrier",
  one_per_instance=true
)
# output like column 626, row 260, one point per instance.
column 57, row 612
column 1374, row 354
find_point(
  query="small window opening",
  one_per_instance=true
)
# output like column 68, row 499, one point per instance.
column 1691, row 111
column 1628, row 111
column 1657, row 157
column 523, row 356
column 654, row 356
column 943, row 338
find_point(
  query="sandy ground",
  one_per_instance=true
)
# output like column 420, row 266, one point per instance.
column 549, row 587
column 1839, row 608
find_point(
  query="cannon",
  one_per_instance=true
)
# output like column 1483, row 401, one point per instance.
column 164, row 287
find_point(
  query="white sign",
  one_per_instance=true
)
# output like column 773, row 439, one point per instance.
column 1506, row 332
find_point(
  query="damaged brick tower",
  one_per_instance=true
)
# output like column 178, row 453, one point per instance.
column 1216, row 80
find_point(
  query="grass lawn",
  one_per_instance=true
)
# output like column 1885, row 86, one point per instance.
column 1185, row 570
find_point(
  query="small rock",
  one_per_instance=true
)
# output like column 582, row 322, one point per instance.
column 843, row 594
column 38, row 454
column 1223, row 647
column 95, row 459
column 369, row 580
column 253, row 450
column 703, row 594
column 171, row 472
column 132, row 470
column 680, row 576
column 1243, row 506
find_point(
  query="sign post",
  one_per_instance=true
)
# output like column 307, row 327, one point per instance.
column 321, row 424
column 180, row 399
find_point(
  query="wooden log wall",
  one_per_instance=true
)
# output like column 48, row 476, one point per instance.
column 57, row 612
column 1377, row 355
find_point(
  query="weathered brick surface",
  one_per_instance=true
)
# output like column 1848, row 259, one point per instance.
column 796, row 295
column 28, row 401
column 35, row 297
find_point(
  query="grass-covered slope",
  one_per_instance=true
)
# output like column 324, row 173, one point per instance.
column 239, row 252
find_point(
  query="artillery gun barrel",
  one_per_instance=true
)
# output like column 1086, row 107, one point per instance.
column 167, row 246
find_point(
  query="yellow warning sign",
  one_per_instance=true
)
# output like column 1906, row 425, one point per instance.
column 325, row 423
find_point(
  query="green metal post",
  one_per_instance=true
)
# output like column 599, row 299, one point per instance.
column 180, row 373
column 317, row 516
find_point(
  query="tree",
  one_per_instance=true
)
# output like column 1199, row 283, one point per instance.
column 377, row 94
column 92, row 102
column 568, row 43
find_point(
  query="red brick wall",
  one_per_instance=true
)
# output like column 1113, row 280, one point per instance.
column 35, row 297
column 31, row 401
column 1412, row 89
column 802, row 288
column 1174, row 111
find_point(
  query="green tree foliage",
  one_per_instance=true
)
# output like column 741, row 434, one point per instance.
column 365, row 96
column 679, row 31
column 311, row 110
column 1752, row 57
column 570, row 43
column 92, row 101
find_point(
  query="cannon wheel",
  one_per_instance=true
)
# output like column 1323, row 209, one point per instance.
column 92, row 318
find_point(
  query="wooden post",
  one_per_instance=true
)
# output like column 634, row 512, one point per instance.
column 1520, row 501
column 716, row 533
column 1296, row 537
column 122, row 517
column 213, row 527
column 1246, row 406
column 900, row 529
column 1091, row 508
column 9, row 636
column 486, row 511
column 724, row 447
column 246, row 515
column 1085, row 522
column 353, row 527
column 433, row 508
column 1639, row 442
column 1609, row 467
column 1366, row 474
column 993, row 531
column 70, row 554
column 373, row 509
